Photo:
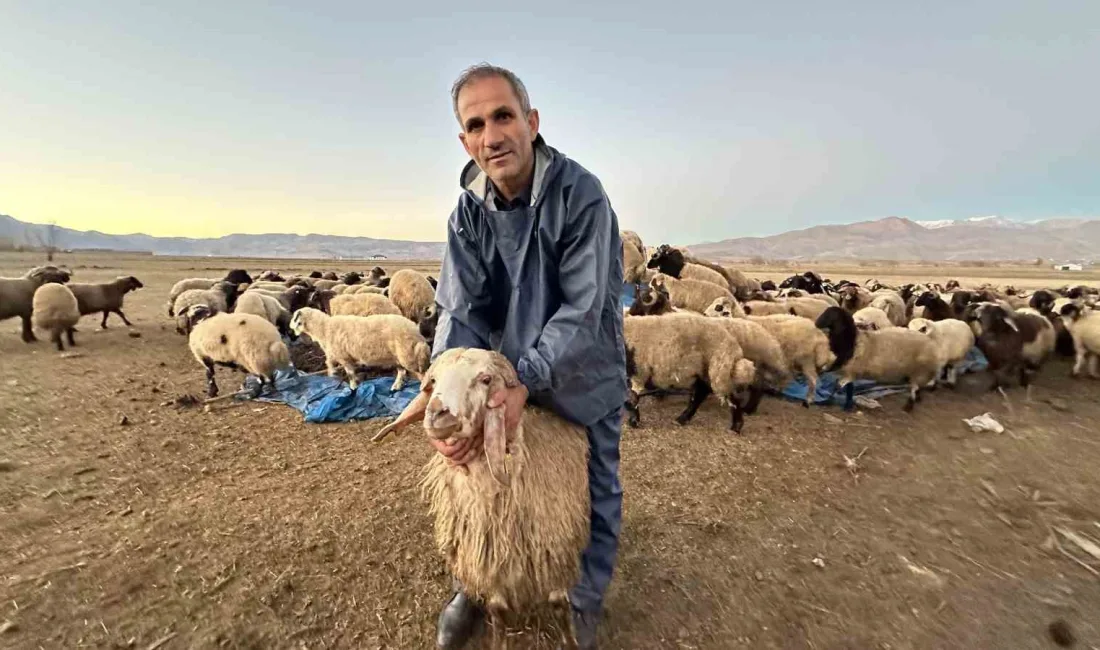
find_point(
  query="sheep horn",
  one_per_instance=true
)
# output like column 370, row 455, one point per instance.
column 496, row 444
column 413, row 411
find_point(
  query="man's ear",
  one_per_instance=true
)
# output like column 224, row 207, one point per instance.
column 533, row 123
column 462, row 138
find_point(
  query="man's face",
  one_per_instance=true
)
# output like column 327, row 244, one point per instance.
column 496, row 133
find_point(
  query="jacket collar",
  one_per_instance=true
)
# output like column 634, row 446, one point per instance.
column 475, row 181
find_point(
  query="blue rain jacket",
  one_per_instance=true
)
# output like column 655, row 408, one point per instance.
column 541, row 285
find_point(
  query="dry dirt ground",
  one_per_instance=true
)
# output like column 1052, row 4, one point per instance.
column 247, row 528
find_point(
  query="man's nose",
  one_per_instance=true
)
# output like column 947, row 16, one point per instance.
column 493, row 136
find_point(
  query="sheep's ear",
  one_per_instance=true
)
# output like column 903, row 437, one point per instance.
column 496, row 443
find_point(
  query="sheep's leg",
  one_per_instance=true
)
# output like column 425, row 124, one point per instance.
column 699, row 393
column 353, row 380
column 1079, row 363
column 849, row 396
column 1094, row 366
column 106, row 313
column 211, row 385
column 69, row 335
column 399, row 382
column 811, row 386
column 914, row 397
column 123, row 317
column 952, row 375
column 28, row 331
column 756, row 392
column 634, row 415
column 56, row 336
column 737, row 415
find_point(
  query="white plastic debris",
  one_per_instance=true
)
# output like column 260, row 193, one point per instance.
column 867, row 402
column 984, row 422
column 818, row 562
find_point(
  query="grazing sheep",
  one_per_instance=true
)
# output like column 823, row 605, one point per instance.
column 1085, row 330
column 671, row 262
column 805, row 347
column 889, row 355
column 411, row 292
column 1013, row 343
column 55, row 310
column 239, row 341
column 692, row 295
column 106, row 297
column 382, row 341
column 871, row 318
column 954, row 339
column 361, row 304
column 266, row 307
column 17, row 295
column 483, row 512
column 685, row 351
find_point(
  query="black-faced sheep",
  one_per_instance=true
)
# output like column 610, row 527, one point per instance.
column 483, row 511
column 384, row 341
column 17, row 295
column 935, row 308
column 429, row 321
column 240, row 341
column 672, row 262
column 891, row 355
column 106, row 297
column 1013, row 343
column 55, row 310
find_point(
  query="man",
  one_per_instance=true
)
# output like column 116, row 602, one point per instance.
column 533, row 268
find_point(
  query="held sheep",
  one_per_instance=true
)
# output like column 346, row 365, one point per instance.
column 483, row 513
column 685, row 351
column 411, row 292
column 55, row 310
column 383, row 341
column 891, row 355
column 954, row 339
column 17, row 295
column 240, row 341
column 106, row 297
column 1085, row 330
column 692, row 295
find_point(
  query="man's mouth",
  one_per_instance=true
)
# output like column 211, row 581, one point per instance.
column 499, row 156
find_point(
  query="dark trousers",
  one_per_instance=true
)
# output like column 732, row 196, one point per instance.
column 598, row 559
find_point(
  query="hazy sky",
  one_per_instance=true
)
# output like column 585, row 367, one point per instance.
column 704, row 121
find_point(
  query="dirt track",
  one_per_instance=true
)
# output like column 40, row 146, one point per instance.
column 246, row 528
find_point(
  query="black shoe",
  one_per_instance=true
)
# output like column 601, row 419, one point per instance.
column 457, row 622
column 584, row 629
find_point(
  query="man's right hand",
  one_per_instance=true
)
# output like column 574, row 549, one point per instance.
column 460, row 452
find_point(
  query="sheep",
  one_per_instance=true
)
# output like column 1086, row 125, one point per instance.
column 854, row 297
column 221, row 297
column 806, row 307
column 692, row 295
column 17, row 295
column 235, row 277
column 953, row 337
column 633, row 239
column 266, row 307
column 428, row 323
column 890, row 302
column 809, row 282
column 315, row 275
column 376, row 276
column 1011, row 342
column 240, row 341
column 271, row 276
column 685, row 351
column 351, row 278
column 889, row 355
column 269, row 286
column 106, row 297
column 330, row 275
column 321, row 285
column 1085, row 330
column 935, row 308
column 55, row 310
column 871, row 318
column 765, row 308
column 412, row 294
column 741, row 284
column 671, row 262
column 483, row 512
column 379, row 341
column 805, row 347
column 634, row 263
column 361, row 304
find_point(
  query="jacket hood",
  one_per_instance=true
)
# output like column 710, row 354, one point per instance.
column 476, row 181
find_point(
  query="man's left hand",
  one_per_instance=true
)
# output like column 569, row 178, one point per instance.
column 512, row 400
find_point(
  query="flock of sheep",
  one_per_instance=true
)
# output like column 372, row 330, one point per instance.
column 693, row 326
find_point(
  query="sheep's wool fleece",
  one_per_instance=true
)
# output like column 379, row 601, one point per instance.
column 673, row 350
column 412, row 293
column 248, row 340
column 520, row 543
column 362, row 304
column 54, row 307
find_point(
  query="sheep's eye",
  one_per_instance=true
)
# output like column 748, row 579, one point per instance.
column 485, row 379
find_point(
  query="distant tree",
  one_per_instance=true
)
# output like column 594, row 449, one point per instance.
column 1039, row 261
column 47, row 239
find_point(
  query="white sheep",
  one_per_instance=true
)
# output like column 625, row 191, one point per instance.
column 891, row 303
column 1084, row 327
column 483, row 511
column 362, row 304
column 55, row 310
column 871, row 318
column 240, row 341
column 265, row 306
column 382, row 341
column 953, row 337
column 411, row 292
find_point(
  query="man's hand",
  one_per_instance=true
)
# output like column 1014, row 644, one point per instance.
column 461, row 451
column 512, row 400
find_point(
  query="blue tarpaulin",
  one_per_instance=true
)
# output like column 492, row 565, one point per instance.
column 326, row 399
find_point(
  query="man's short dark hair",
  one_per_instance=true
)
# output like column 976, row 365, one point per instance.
column 486, row 70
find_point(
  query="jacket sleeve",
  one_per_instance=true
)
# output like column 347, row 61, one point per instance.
column 463, row 292
column 564, row 346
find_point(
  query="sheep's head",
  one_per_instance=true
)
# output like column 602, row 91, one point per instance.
column 192, row 316
column 992, row 318
column 330, row 275
column 271, row 276
column 129, row 283
column 925, row 299
column 951, row 285
column 1070, row 312
column 453, row 403
column 767, row 285
column 650, row 300
column 298, row 296
column 48, row 275
column 299, row 322
column 238, row 276
column 316, row 275
column 351, row 278
column 922, row 325
column 1042, row 301
column 429, row 319
column 667, row 259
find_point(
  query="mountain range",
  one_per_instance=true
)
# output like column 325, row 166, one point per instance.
column 893, row 238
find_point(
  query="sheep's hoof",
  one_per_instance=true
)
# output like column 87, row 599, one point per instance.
column 681, row 420
column 908, row 408
column 805, row 405
column 849, row 407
